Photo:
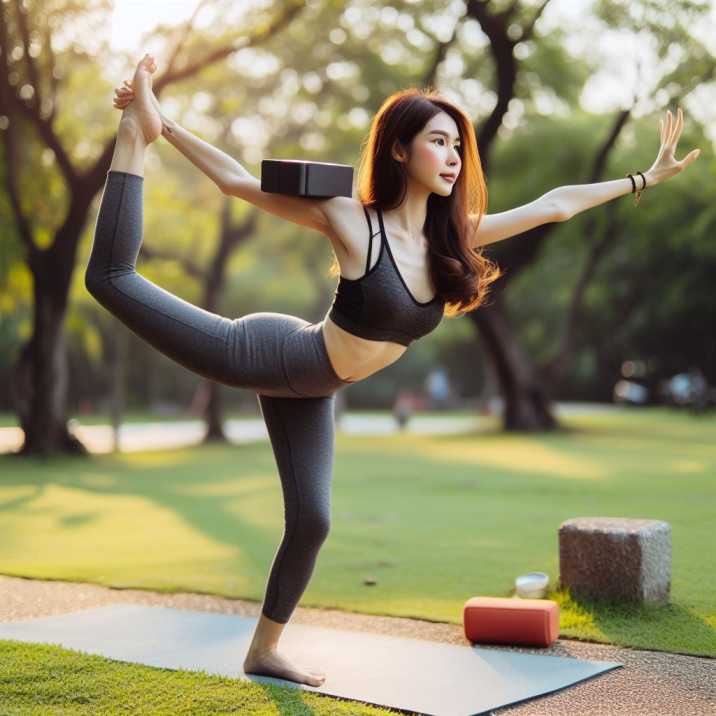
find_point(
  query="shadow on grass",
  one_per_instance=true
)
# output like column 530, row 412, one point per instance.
column 174, row 480
column 654, row 627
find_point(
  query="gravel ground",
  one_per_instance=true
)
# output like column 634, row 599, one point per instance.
column 650, row 682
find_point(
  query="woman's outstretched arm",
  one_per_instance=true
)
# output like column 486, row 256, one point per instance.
column 564, row 202
column 221, row 168
column 217, row 165
column 571, row 200
column 231, row 177
column 557, row 204
column 495, row 227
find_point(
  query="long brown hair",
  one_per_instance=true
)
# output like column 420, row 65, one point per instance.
column 460, row 274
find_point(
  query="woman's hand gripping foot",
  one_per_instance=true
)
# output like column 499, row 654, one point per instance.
column 142, row 115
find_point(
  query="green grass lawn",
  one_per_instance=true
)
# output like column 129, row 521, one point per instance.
column 434, row 520
column 40, row 679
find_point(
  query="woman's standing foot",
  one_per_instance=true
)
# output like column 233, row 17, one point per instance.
column 271, row 663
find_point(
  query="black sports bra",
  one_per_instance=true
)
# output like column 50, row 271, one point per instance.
column 378, row 305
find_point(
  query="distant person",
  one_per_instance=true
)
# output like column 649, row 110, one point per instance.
column 403, row 408
column 438, row 387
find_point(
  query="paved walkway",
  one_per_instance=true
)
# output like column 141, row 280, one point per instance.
column 650, row 683
column 167, row 435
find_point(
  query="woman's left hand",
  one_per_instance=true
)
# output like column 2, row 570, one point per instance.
column 666, row 165
column 123, row 95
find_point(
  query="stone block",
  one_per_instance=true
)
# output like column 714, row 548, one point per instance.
column 616, row 559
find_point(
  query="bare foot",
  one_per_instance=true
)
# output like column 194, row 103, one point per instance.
column 273, row 664
column 125, row 95
column 142, row 112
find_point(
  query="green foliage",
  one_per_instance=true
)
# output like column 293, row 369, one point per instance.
column 652, row 295
column 550, row 67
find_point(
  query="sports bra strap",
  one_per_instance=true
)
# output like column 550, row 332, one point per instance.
column 370, row 240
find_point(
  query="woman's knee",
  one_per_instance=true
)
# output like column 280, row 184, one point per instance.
column 97, row 283
column 100, row 286
column 92, row 281
column 314, row 527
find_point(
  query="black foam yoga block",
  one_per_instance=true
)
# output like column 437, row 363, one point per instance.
column 301, row 178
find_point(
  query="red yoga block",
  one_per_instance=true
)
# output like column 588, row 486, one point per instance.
column 503, row 620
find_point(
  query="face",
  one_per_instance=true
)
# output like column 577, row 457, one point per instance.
column 436, row 150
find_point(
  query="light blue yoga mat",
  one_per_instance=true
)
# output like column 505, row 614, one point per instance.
column 394, row 672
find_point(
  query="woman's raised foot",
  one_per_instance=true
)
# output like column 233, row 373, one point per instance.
column 142, row 113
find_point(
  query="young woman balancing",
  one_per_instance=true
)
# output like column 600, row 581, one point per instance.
column 408, row 250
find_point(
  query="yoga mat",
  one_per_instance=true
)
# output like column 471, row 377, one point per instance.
column 393, row 672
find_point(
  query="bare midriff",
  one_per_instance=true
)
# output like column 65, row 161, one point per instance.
column 354, row 358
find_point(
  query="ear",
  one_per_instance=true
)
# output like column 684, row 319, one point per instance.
column 397, row 151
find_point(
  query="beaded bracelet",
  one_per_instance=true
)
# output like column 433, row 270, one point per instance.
column 634, row 189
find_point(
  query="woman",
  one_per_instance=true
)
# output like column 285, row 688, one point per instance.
column 422, row 201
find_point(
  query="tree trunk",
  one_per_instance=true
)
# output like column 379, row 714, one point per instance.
column 527, row 403
column 119, row 342
column 214, row 414
column 41, row 377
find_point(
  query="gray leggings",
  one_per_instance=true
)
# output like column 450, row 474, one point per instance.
column 282, row 358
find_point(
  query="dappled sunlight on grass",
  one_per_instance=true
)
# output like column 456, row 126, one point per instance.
column 654, row 626
column 86, row 525
column 98, row 480
column 687, row 466
column 158, row 458
column 647, row 428
column 245, row 485
column 16, row 495
column 525, row 455
column 574, row 616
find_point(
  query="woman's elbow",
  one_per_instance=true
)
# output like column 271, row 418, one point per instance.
column 553, row 207
column 558, row 212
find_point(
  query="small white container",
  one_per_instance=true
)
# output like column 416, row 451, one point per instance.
column 532, row 585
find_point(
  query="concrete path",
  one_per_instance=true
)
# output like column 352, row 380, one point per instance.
column 167, row 435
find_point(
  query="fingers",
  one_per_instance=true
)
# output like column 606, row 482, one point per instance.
column 122, row 100
column 692, row 156
column 678, row 126
column 670, row 129
column 675, row 127
column 122, row 97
